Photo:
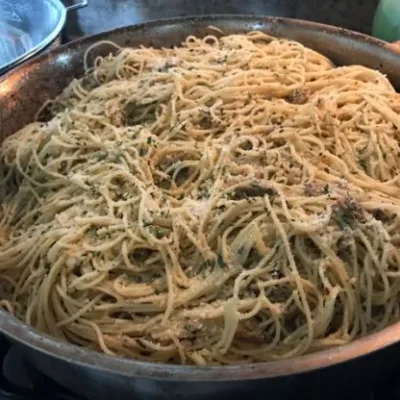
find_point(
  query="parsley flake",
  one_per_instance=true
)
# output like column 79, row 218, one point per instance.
column 220, row 261
column 159, row 233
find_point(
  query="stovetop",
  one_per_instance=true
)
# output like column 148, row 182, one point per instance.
column 21, row 381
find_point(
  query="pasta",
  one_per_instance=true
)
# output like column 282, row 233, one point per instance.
column 232, row 200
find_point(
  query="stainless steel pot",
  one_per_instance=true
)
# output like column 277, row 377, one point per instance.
column 27, row 27
column 97, row 376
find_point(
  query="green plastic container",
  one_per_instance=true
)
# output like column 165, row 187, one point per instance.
column 386, row 24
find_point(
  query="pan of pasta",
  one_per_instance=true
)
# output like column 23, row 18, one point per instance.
column 206, row 200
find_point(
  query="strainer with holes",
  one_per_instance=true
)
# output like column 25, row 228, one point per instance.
column 27, row 27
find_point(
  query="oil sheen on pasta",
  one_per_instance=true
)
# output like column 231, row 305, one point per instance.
column 232, row 200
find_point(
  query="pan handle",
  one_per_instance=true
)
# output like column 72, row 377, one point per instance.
column 76, row 4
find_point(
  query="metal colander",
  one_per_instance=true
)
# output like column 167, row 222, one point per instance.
column 28, row 26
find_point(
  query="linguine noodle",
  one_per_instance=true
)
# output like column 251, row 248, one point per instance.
column 232, row 200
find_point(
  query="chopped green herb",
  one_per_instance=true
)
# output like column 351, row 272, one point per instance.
column 204, row 192
column 96, row 253
column 149, row 140
column 47, row 266
column 181, row 196
column 326, row 189
column 159, row 233
column 156, row 292
column 135, row 113
column 220, row 261
column 63, row 166
column 101, row 155
column 348, row 214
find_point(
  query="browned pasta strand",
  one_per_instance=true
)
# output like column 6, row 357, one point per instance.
column 231, row 200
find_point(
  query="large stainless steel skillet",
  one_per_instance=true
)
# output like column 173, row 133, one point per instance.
column 100, row 377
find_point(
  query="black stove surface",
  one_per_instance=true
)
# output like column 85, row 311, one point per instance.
column 21, row 381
